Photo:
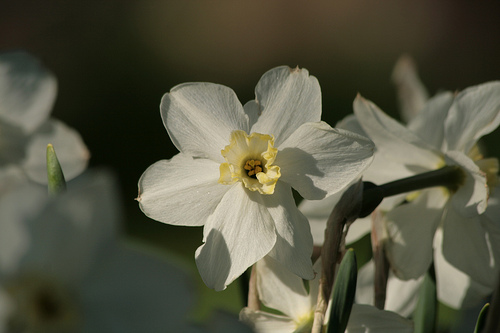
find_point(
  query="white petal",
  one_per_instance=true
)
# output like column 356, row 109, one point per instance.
column 263, row 322
column 238, row 234
column 467, row 246
column 294, row 243
column 17, row 207
column 181, row 191
column 384, row 170
column 135, row 291
column 287, row 97
column 252, row 109
column 412, row 94
column 72, row 228
column 200, row 117
column 351, row 123
column 68, row 144
column 471, row 198
column 318, row 160
column 381, row 170
column 454, row 287
column 393, row 140
column 429, row 123
column 364, row 284
column 401, row 296
column 317, row 212
column 281, row 290
column 411, row 230
column 27, row 90
column 369, row 319
column 474, row 113
column 359, row 229
column 11, row 177
column 314, row 284
column 13, row 142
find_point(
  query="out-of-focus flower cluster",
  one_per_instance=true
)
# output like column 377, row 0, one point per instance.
column 65, row 266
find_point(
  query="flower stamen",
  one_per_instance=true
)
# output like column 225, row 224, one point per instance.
column 250, row 160
column 253, row 167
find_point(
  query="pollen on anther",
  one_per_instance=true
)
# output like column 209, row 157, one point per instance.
column 253, row 167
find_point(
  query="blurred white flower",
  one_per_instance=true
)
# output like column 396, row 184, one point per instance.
column 62, row 270
column 285, row 292
column 412, row 94
column 433, row 122
column 465, row 249
column 237, row 165
column 27, row 94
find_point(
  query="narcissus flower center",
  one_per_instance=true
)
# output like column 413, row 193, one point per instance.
column 249, row 159
column 253, row 167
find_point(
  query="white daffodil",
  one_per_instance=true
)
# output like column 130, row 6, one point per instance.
column 237, row 165
column 401, row 296
column 412, row 97
column 444, row 132
column 27, row 94
column 280, row 290
column 62, row 270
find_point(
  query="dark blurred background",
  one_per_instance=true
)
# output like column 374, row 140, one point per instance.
column 114, row 59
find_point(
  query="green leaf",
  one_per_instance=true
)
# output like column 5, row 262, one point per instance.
column 344, row 290
column 424, row 316
column 56, row 182
column 481, row 319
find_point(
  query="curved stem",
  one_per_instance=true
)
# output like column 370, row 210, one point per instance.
column 450, row 177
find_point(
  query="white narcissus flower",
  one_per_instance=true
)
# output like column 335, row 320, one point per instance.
column 455, row 287
column 62, row 270
column 401, row 296
column 280, row 290
column 27, row 94
column 445, row 132
column 237, row 165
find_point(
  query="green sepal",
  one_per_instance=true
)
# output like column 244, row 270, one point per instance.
column 55, row 176
column 424, row 315
column 481, row 319
column 343, row 293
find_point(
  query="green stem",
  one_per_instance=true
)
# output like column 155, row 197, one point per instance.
column 451, row 177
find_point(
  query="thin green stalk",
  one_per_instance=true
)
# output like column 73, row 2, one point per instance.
column 451, row 177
